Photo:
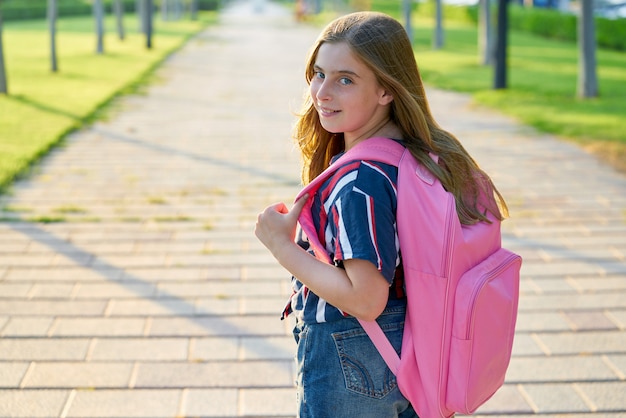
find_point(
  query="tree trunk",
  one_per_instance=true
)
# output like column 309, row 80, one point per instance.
column 98, row 13
column 147, row 21
column 170, row 9
column 406, row 11
column 500, row 75
column 139, row 5
column 317, row 6
column 438, row 36
column 119, row 18
column 4, row 88
column 52, row 24
column 485, row 33
column 179, row 9
column 194, row 9
column 165, row 9
column 587, row 77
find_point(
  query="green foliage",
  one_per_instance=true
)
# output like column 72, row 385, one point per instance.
column 544, row 22
column 450, row 12
column 554, row 24
column 36, row 9
column 548, row 23
column 390, row 7
column 611, row 33
column 542, row 81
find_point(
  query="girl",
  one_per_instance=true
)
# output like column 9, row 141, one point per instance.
column 364, row 83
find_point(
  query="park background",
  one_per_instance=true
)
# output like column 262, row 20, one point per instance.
column 41, row 105
column 131, row 283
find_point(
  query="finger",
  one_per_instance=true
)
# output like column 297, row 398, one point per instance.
column 299, row 205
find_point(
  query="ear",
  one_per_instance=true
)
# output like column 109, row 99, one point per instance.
column 385, row 98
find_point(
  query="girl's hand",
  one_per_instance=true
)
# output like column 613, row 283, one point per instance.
column 359, row 289
column 276, row 225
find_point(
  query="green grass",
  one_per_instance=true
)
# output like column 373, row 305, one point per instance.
column 42, row 106
column 542, row 80
column 541, row 89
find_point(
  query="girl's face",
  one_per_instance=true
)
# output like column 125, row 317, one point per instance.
column 346, row 94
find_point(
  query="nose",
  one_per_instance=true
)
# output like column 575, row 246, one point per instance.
column 321, row 90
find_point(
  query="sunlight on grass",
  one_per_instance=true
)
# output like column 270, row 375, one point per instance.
column 69, row 209
column 542, row 81
column 562, row 115
column 85, row 82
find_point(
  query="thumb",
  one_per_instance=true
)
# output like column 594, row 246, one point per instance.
column 297, row 207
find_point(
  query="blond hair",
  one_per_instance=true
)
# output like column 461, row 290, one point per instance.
column 382, row 44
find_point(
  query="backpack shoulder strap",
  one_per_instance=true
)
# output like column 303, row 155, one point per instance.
column 382, row 344
column 380, row 149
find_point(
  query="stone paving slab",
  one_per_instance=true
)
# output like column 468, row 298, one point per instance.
column 151, row 297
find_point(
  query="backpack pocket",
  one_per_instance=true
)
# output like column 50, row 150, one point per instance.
column 485, row 313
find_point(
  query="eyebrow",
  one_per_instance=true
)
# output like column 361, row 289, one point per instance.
column 349, row 72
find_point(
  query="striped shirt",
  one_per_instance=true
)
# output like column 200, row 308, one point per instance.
column 354, row 213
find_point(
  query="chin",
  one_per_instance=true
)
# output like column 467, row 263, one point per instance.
column 331, row 129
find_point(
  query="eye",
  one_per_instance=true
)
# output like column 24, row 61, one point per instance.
column 345, row 81
column 319, row 74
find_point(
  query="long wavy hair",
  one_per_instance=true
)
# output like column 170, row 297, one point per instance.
column 382, row 44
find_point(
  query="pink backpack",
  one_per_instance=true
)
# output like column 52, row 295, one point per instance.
column 462, row 289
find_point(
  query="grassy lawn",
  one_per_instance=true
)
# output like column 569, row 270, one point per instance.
column 542, row 79
column 43, row 106
column 542, row 82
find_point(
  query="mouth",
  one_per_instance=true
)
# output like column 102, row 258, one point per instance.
column 325, row 112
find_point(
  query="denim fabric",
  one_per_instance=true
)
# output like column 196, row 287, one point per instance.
column 340, row 374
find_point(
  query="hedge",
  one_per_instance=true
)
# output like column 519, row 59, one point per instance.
column 36, row 9
column 610, row 33
column 549, row 23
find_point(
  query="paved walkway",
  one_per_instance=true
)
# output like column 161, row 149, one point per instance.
column 153, row 298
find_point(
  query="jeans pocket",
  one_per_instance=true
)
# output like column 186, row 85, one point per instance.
column 364, row 370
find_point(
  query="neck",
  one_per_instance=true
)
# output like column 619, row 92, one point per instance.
column 385, row 128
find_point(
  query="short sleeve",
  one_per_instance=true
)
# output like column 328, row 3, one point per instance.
column 362, row 218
